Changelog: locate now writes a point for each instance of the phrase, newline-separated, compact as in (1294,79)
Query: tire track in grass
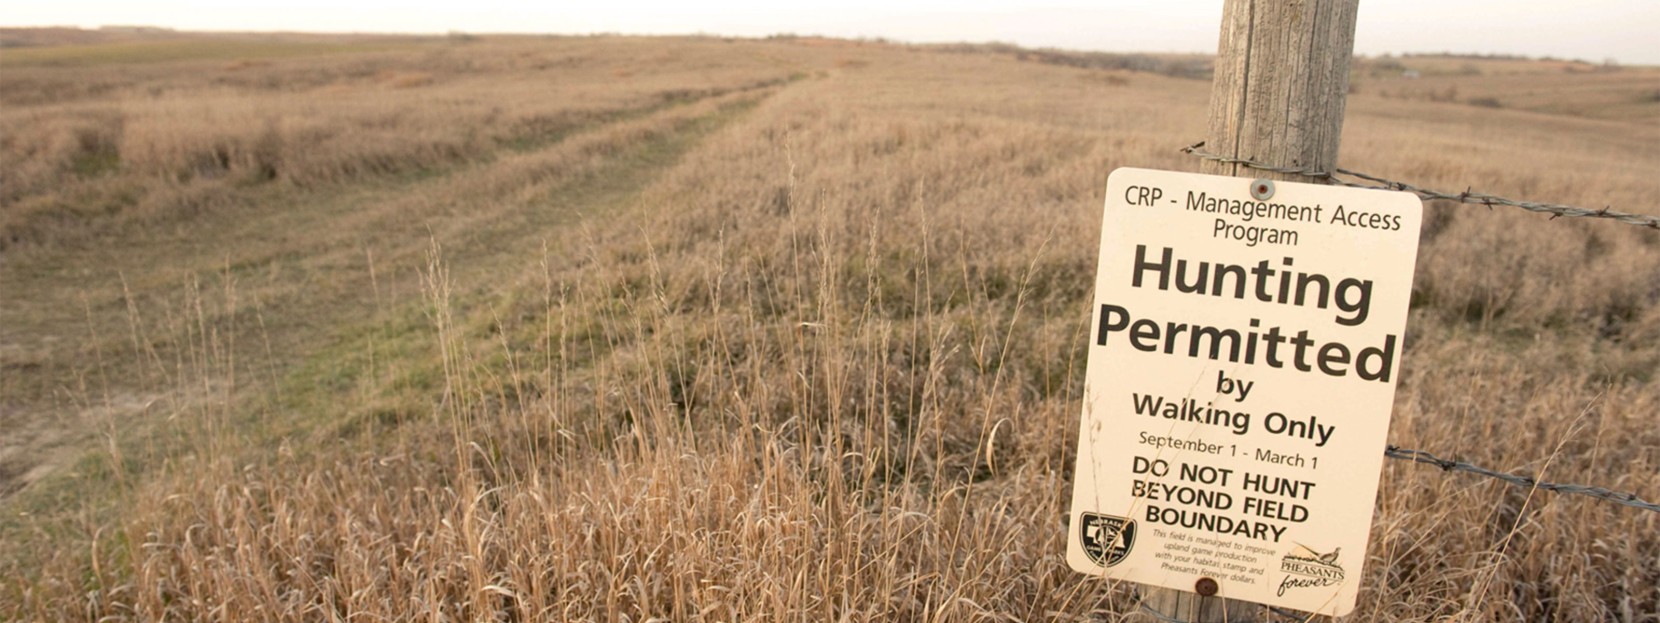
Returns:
(301,302)
(477,253)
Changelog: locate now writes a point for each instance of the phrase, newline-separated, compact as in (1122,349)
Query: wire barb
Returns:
(1471,197)
(1451,465)
(1467,196)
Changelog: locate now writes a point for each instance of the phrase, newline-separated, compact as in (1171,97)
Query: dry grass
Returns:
(694,330)
(1571,88)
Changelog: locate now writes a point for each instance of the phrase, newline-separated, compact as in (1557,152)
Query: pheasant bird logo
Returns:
(1306,553)
(1331,558)
(1306,567)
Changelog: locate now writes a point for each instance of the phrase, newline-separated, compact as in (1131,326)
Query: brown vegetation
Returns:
(701,330)
(1570,88)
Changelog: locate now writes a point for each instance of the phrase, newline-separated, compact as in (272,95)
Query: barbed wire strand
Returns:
(1420,456)
(1556,210)
(1617,497)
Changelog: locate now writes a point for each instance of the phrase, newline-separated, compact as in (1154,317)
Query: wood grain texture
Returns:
(1282,75)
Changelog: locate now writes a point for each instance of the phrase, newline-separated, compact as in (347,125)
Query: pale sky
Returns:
(1594,30)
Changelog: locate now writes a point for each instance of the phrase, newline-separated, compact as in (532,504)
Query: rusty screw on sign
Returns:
(1205,587)
(1263,190)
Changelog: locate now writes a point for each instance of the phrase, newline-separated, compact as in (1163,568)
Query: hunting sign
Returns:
(1245,344)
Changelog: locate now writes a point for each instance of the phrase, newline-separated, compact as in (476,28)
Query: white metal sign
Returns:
(1243,356)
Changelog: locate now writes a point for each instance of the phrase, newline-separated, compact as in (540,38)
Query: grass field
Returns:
(692,329)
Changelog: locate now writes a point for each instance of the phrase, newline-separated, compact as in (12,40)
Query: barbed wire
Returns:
(1421,456)
(1452,465)
(1617,497)
(1556,210)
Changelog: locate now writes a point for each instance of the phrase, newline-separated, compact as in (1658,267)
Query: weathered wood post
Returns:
(1282,73)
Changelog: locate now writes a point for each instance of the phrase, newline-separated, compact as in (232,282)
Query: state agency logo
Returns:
(1106,539)
(1304,567)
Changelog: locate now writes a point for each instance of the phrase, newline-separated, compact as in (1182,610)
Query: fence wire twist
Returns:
(1468,196)
(1555,210)
(1617,497)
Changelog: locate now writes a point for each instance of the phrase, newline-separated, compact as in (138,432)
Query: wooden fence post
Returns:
(1282,73)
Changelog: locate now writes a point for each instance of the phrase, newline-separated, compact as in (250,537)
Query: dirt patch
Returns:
(39,442)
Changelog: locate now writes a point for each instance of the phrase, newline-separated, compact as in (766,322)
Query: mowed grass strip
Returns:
(280,291)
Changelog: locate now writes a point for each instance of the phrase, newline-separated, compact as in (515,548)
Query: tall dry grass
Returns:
(825,365)
(154,144)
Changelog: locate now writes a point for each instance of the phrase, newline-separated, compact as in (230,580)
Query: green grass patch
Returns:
(371,376)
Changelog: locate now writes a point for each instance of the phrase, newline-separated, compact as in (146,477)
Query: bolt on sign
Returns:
(1244,350)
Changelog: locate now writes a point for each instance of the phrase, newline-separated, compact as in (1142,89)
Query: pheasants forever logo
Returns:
(1106,539)
(1305,568)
